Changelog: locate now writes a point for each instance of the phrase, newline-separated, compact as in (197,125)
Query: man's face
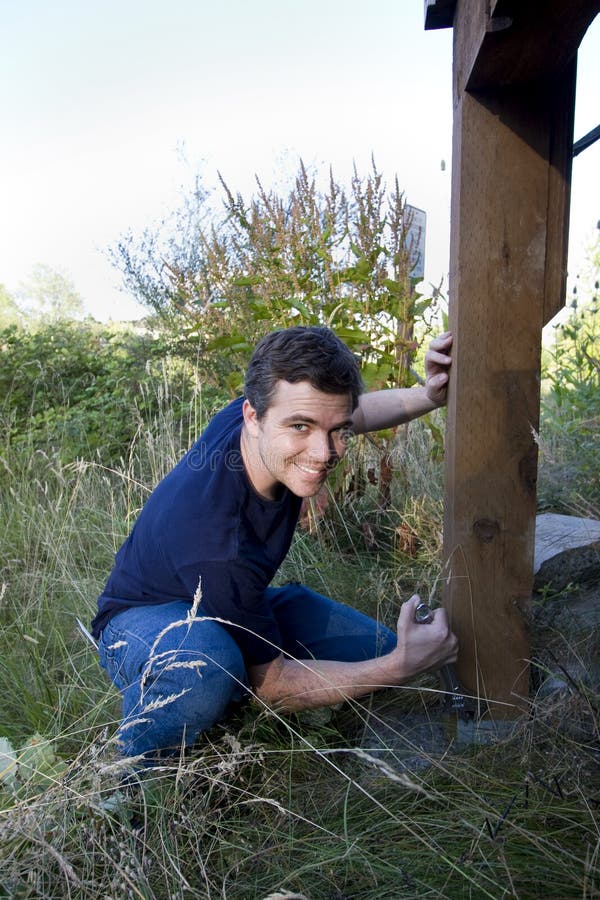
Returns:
(298,440)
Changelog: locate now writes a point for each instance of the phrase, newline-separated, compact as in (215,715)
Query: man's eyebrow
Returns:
(309,420)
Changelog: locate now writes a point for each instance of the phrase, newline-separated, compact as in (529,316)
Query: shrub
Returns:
(337,257)
(570,414)
(80,389)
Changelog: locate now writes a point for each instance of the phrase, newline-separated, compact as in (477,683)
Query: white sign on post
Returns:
(415,240)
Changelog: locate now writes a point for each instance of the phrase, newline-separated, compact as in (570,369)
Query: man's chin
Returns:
(310,491)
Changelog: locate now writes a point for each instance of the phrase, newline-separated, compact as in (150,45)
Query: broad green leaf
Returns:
(247,280)
(261,313)
(417,309)
(394,287)
(229,342)
(438,438)
(8,764)
(38,761)
(353,336)
(364,267)
(302,308)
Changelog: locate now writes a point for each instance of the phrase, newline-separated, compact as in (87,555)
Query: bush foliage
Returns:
(331,256)
(570,415)
(82,389)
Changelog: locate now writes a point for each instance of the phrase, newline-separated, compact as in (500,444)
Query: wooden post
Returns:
(513,134)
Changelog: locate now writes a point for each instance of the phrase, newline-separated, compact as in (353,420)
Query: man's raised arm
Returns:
(385,409)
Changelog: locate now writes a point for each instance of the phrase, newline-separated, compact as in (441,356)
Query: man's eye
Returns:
(300,427)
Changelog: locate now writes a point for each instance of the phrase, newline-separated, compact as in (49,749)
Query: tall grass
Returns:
(324,804)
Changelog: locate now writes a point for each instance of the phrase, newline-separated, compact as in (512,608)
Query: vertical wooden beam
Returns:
(509,206)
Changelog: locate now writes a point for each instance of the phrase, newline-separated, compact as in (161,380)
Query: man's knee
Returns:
(203,668)
(190,676)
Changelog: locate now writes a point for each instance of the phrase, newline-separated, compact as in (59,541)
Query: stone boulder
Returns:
(567,551)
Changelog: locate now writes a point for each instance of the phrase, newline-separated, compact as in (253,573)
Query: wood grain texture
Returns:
(497,279)
(511,173)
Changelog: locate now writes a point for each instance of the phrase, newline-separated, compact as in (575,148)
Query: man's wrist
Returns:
(435,404)
(392,668)
(428,404)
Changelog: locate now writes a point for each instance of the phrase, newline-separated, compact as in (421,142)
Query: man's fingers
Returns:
(441,359)
(424,647)
(439,380)
(407,610)
(407,613)
(441,344)
(441,617)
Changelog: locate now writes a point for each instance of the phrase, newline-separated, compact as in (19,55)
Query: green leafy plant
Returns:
(34,765)
(570,413)
(81,389)
(331,256)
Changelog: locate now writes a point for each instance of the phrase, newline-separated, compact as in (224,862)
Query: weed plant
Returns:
(326,805)
(570,425)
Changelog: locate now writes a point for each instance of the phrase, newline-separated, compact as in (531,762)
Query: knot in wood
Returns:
(486,530)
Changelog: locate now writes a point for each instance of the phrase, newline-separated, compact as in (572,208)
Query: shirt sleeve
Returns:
(234,593)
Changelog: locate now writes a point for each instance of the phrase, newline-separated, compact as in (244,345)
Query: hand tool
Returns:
(455,699)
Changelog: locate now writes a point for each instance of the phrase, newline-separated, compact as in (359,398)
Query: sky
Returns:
(109,108)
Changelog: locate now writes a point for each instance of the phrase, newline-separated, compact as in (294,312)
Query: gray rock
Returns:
(567,551)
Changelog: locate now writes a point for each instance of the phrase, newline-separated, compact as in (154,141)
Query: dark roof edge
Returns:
(439,14)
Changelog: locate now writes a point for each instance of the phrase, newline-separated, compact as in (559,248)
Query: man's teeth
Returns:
(308,470)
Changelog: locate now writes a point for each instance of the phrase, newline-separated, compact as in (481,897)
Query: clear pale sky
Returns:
(97,97)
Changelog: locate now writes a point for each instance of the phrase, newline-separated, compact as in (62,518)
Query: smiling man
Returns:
(220,525)
(298,440)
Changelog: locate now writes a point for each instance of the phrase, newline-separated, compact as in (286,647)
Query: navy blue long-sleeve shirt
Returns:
(204,524)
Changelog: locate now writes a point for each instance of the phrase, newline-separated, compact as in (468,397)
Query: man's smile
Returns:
(311,471)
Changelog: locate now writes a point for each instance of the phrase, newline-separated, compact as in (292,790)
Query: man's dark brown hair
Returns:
(303,353)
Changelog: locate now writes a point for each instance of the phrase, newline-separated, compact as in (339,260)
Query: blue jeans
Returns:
(178,677)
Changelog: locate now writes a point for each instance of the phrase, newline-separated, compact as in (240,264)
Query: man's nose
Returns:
(321,448)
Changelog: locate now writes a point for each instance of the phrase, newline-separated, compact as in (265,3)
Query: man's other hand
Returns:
(423,648)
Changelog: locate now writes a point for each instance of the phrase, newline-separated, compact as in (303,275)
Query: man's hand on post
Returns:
(437,364)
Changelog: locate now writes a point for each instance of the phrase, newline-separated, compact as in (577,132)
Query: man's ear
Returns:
(250,418)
